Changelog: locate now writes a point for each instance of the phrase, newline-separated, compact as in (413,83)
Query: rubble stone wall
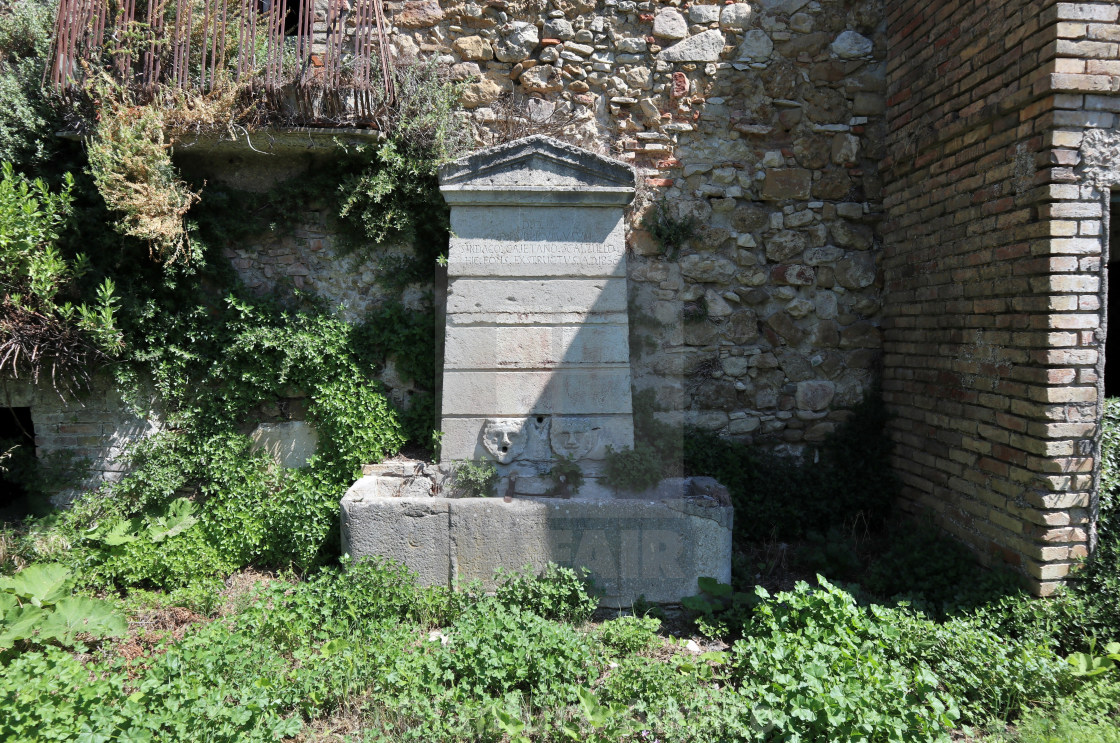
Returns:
(997,202)
(761,121)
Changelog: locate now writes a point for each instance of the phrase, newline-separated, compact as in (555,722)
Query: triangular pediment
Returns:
(536,162)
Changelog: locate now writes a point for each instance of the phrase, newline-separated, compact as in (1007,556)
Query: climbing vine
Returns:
(209,360)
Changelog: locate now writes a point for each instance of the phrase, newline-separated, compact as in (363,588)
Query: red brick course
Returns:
(992,268)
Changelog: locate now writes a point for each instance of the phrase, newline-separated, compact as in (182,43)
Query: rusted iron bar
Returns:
(389,86)
(148,44)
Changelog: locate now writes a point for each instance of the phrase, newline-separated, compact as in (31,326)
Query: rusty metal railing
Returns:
(326,59)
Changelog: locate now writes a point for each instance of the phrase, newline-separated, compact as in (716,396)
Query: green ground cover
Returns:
(204,596)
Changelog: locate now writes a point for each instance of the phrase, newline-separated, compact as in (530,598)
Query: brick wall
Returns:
(993,249)
(81,440)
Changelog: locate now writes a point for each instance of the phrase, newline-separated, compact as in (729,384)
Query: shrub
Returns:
(633,470)
(988,675)
(43,323)
(131,164)
(934,573)
(629,634)
(817,666)
(555,593)
(474,479)
(1098,582)
(567,477)
(648,681)
(27,120)
(495,649)
(670,232)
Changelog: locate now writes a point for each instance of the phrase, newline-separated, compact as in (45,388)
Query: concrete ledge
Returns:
(655,548)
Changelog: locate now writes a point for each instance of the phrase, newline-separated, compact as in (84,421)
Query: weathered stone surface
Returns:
(750,218)
(670,24)
(815,395)
(388,481)
(715,394)
(420,14)
(822,256)
(735,17)
(827,106)
(572,8)
(860,335)
(703,47)
(794,275)
(787,183)
(464,71)
(812,151)
(855,236)
(542,79)
(857,271)
(794,364)
(834,184)
(756,46)
(535,346)
(819,431)
(630,45)
(785,245)
(826,333)
(473,48)
(742,327)
(558,28)
(704,14)
(523,354)
(783,6)
(700,333)
(485,91)
(706,268)
(851,45)
(412,531)
(632,547)
(518,41)
(845,149)
(717,305)
(782,324)
(291,443)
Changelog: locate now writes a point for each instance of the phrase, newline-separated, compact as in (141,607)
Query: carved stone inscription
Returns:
(560,254)
(536,364)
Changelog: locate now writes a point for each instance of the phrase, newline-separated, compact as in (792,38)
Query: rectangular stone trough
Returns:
(631,547)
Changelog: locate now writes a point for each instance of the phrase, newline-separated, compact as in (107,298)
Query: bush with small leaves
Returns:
(629,634)
(554,593)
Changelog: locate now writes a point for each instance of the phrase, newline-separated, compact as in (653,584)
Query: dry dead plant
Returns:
(129,155)
(32,342)
(517,116)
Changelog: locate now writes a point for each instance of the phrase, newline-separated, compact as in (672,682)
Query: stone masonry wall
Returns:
(764,122)
(84,436)
(996,202)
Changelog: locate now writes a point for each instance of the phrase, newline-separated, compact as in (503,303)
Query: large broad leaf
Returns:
(19,624)
(122,532)
(1086,664)
(42,585)
(81,614)
(180,517)
(713,587)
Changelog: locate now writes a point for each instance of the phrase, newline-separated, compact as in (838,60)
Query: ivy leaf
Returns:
(42,584)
